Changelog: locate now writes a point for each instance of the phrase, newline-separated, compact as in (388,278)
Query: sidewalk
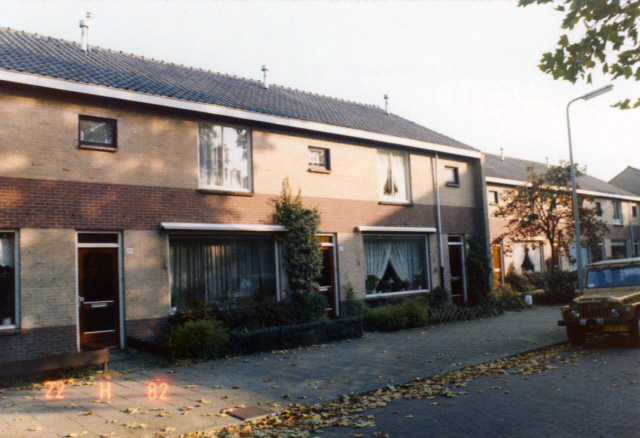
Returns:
(196,394)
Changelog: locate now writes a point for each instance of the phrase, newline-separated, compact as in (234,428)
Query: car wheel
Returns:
(634,330)
(576,335)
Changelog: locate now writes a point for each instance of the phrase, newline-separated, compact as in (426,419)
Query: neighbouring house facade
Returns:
(130,187)
(628,179)
(619,210)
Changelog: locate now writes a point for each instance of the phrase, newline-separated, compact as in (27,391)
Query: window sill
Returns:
(319,170)
(9,330)
(398,204)
(224,192)
(387,294)
(92,147)
(450,184)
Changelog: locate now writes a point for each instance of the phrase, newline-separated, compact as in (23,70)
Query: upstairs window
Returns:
(319,159)
(634,210)
(393,176)
(599,208)
(493,197)
(224,155)
(97,133)
(617,213)
(451,176)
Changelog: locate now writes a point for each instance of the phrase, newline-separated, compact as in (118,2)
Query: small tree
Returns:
(542,208)
(301,248)
(478,271)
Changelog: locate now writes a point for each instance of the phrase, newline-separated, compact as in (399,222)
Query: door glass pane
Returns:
(455,260)
(99,319)
(7,279)
(327,268)
(97,276)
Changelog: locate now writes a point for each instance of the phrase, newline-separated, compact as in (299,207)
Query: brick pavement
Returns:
(596,397)
(303,375)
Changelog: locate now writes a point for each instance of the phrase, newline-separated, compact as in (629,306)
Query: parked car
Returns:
(610,303)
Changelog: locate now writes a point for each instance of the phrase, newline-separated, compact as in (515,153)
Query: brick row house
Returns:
(130,187)
(619,210)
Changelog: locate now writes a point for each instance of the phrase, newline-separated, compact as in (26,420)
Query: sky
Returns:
(466,69)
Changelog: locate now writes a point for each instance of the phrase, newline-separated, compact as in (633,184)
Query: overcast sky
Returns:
(467,69)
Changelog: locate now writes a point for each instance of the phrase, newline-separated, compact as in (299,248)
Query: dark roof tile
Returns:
(46,56)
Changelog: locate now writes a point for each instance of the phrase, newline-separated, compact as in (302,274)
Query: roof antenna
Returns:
(386,103)
(265,84)
(84,25)
(502,154)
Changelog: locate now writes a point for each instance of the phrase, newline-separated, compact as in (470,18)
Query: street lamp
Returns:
(576,216)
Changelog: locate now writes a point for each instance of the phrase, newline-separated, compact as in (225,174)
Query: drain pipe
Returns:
(633,246)
(441,269)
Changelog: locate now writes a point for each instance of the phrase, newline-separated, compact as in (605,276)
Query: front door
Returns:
(98,297)
(456,269)
(327,277)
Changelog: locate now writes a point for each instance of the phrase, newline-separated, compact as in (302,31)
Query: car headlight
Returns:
(615,313)
(575,314)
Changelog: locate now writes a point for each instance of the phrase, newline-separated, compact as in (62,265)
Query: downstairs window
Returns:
(205,269)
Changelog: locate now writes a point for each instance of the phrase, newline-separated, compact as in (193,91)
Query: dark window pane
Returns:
(99,319)
(97,269)
(97,238)
(97,131)
(7,279)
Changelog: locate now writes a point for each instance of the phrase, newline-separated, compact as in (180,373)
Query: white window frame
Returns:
(16,255)
(249,189)
(427,263)
(407,178)
(617,212)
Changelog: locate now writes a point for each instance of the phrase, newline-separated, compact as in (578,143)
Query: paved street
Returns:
(192,396)
(596,396)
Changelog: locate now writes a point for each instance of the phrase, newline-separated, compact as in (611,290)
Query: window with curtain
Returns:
(224,155)
(617,213)
(212,268)
(395,264)
(7,279)
(393,176)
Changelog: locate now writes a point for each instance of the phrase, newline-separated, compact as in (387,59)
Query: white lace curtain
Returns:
(7,257)
(206,269)
(392,175)
(404,253)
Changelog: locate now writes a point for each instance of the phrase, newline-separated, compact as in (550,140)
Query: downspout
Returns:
(439,226)
(633,246)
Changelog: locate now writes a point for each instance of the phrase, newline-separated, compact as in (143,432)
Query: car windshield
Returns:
(614,277)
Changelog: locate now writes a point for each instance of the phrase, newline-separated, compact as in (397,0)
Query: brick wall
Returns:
(140,328)
(33,343)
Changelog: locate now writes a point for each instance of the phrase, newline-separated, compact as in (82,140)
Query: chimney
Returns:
(265,84)
(84,25)
(386,103)
(502,154)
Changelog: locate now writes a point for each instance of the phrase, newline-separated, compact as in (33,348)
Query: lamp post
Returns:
(576,216)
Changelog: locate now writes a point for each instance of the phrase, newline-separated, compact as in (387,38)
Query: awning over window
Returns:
(365,229)
(181,226)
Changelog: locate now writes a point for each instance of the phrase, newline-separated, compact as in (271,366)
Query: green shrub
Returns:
(417,312)
(438,298)
(400,315)
(352,306)
(478,271)
(560,288)
(388,318)
(510,299)
(203,339)
(537,279)
(517,281)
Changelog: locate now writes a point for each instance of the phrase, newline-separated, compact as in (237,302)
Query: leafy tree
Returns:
(542,208)
(301,248)
(478,271)
(610,41)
